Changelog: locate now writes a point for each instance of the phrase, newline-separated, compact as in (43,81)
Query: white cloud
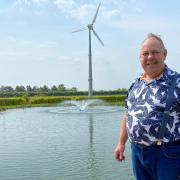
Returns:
(74,10)
(48,44)
(30,2)
(138,10)
(64,3)
(21,2)
(40,1)
(110,14)
(83,11)
(144,25)
(109,10)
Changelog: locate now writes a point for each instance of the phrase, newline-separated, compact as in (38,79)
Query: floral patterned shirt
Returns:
(145,105)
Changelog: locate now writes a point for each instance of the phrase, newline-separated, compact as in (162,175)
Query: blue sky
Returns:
(38,48)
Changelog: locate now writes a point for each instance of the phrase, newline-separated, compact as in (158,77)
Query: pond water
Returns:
(40,144)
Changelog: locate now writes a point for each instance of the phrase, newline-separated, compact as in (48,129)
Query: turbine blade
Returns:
(94,19)
(83,29)
(98,37)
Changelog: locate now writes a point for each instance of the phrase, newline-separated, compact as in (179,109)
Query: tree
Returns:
(35,89)
(6,89)
(54,88)
(45,88)
(20,89)
(74,89)
(29,88)
(61,87)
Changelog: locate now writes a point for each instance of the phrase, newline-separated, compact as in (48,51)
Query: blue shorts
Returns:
(156,162)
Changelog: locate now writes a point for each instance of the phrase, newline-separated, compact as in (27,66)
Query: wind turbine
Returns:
(90,28)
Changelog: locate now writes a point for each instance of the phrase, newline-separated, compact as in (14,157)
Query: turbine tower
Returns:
(90,28)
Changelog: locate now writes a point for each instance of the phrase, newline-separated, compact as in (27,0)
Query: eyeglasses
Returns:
(152,53)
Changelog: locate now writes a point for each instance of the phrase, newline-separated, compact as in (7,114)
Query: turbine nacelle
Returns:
(90,26)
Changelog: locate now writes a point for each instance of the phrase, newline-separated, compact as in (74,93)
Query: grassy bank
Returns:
(40,101)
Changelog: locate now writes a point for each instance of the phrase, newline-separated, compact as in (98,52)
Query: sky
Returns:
(37,46)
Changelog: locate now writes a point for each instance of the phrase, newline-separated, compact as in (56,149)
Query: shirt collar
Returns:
(143,76)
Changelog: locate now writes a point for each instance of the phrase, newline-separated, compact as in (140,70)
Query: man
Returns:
(145,108)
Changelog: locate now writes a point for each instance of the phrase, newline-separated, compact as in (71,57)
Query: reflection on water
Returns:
(91,131)
(38,145)
(91,159)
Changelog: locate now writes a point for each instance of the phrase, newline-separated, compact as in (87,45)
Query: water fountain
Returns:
(83,104)
(89,106)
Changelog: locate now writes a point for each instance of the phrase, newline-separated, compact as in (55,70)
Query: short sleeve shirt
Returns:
(145,105)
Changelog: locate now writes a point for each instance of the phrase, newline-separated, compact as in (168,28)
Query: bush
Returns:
(12,101)
(48,100)
(116,98)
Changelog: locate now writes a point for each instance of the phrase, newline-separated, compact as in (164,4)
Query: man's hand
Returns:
(119,152)
(123,135)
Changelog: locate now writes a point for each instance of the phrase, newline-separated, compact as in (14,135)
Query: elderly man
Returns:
(152,117)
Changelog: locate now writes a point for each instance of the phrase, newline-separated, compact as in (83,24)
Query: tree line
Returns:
(59,90)
(44,88)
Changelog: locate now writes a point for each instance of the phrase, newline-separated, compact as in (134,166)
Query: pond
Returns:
(41,144)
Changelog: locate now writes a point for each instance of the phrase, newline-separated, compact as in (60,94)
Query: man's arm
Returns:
(120,148)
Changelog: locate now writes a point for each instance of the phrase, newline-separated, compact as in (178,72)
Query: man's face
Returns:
(152,56)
